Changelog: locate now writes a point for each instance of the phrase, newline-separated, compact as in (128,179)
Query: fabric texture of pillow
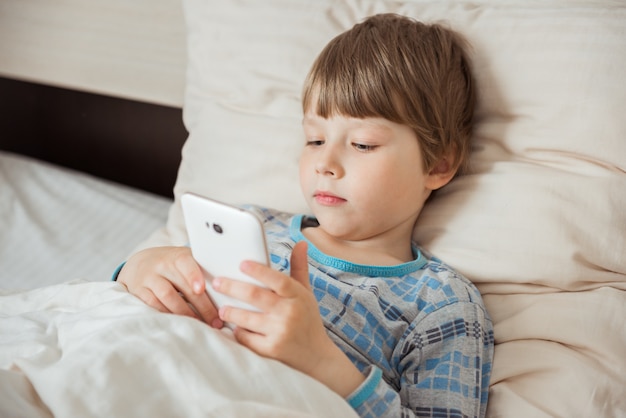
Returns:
(539,222)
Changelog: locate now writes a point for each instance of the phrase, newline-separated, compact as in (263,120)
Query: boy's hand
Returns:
(289,327)
(170,280)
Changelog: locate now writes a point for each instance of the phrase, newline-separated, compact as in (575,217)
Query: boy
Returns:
(350,300)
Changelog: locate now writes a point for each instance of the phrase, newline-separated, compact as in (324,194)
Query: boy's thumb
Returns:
(299,263)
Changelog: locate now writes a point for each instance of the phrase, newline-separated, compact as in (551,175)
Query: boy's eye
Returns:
(364,147)
(314,142)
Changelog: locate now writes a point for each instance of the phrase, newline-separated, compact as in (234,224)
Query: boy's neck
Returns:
(377,251)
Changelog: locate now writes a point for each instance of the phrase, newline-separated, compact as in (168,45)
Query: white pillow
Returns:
(539,223)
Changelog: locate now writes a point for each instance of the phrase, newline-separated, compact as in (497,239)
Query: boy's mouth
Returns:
(327,198)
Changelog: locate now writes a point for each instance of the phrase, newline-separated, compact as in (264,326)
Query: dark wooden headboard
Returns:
(129,142)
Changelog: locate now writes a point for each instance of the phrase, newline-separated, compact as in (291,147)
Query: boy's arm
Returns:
(445,365)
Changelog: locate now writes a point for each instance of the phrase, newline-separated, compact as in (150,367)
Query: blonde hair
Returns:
(405,71)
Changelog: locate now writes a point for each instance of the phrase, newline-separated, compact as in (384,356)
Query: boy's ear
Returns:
(441,174)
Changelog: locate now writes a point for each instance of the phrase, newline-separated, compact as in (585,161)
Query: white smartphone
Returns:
(221,236)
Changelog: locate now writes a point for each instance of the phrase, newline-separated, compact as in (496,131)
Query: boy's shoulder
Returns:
(440,277)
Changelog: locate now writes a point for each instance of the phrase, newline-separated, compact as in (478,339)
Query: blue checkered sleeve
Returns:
(445,362)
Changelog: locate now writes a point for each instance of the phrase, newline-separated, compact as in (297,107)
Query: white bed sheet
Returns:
(58,225)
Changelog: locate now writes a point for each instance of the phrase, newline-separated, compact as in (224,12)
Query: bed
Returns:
(112,110)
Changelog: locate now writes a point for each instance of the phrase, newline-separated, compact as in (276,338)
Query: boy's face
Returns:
(363,177)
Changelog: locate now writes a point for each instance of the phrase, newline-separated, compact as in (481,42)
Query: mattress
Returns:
(58,225)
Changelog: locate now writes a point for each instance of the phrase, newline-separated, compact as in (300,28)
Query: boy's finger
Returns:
(300,264)
(173,300)
(252,340)
(149,298)
(204,307)
(262,298)
(278,282)
(242,318)
(188,271)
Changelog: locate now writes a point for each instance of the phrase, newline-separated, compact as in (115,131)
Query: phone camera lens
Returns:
(218,228)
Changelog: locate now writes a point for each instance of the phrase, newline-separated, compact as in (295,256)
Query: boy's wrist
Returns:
(339,373)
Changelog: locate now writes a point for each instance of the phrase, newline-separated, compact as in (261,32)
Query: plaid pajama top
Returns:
(419,331)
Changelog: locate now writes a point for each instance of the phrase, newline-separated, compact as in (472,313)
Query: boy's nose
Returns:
(322,169)
(327,165)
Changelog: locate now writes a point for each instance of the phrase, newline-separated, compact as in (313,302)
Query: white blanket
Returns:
(91,349)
